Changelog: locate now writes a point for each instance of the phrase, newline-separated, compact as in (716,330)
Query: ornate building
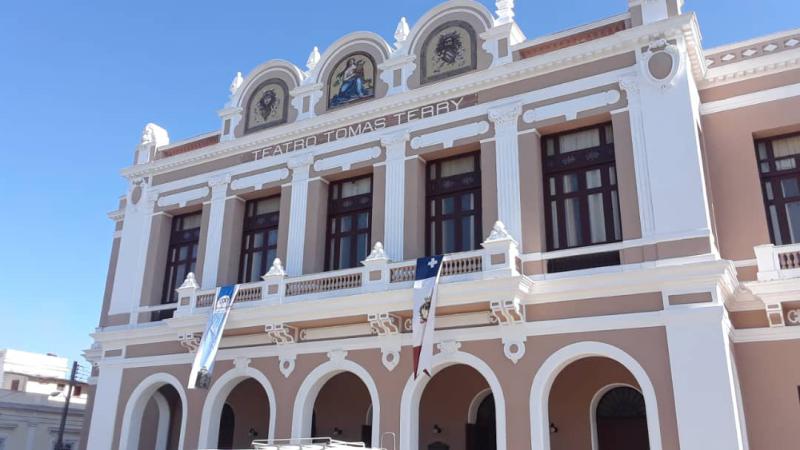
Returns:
(619,208)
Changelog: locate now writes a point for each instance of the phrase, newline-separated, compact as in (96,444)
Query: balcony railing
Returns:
(778,262)
(499,257)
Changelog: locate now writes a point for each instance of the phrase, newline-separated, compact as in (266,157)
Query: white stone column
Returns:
(300,168)
(509,207)
(631,87)
(127,289)
(394,200)
(219,191)
(704,384)
(104,411)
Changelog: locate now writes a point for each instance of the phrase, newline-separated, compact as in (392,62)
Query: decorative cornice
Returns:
(619,43)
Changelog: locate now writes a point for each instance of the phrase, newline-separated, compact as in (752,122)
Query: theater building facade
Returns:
(619,208)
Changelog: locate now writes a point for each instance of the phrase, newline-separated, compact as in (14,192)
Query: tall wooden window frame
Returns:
(780,188)
(349,225)
(577,165)
(181,256)
(259,239)
(463,192)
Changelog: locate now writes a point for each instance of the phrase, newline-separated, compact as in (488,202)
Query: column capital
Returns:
(629,85)
(506,115)
(400,137)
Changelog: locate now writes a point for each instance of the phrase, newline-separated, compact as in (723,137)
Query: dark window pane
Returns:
(467,233)
(448,205)
(793,218)
(344,252)
(789,187)
(345,224)
(363,221)
(468,202)
(362,245)
(448,236)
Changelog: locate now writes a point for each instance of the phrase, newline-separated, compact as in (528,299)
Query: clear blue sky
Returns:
(78,81)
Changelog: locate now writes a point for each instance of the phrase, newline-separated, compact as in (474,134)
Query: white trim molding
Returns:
(134,409)
(754,98)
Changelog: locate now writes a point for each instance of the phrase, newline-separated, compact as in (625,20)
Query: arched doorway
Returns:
(155,415)
(244,416)
(251,399)
(447,406)
(341,408)
(621,420)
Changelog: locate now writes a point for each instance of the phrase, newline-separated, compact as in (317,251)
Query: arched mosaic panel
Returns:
(267,105)
(352,80)
(451,49)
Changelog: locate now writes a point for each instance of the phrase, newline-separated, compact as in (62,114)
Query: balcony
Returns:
(498,257)
(778,262)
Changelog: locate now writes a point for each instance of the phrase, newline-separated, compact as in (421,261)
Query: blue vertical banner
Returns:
(203,366)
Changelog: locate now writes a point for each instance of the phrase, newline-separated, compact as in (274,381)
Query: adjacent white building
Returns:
(33,391)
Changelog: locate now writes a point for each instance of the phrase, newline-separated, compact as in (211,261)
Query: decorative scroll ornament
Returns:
(190,341)
(509,315)
(337,355)
(384,324)
(505,116)
(390,359)
(281,333)
(241,363)
(286,364)
(661,63)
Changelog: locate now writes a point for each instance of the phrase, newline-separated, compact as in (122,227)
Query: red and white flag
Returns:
(423,321)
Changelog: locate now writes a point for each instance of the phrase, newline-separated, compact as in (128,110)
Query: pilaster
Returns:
(509,208)
(394,201)
(703,379)
(104,411)
(300,168)
(219,190)
(129,276)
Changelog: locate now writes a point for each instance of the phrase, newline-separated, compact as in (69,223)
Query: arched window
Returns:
(267,106)
(448,51)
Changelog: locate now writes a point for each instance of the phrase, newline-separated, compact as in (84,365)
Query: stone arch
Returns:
(313,384)
(345,45)
(218,394)
(280,68)
(412,394)
(555,363)
(134,409)
(438,15)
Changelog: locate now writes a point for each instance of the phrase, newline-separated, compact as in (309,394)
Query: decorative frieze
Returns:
(384,324)
(182,198)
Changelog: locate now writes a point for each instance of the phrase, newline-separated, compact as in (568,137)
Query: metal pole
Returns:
(60,441)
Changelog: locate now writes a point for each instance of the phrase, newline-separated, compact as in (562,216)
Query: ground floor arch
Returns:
(239,407)
(441,411)
(155,415)
(570,386)
(334,400)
